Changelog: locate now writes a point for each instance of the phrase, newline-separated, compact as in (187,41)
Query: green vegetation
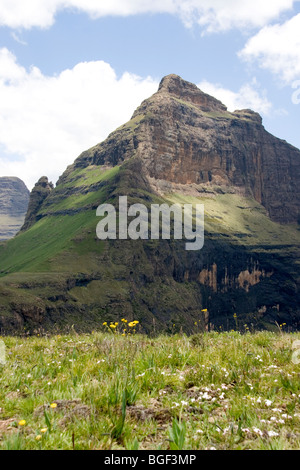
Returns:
(244,219)
(132,124)
(86,177)
(33,250)
(224,391)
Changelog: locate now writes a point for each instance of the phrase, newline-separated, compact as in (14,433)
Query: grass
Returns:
(226,391)
(46,239)
(245,220)
(86,177)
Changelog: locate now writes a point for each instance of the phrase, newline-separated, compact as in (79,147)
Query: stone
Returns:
(40,192)
(14,198)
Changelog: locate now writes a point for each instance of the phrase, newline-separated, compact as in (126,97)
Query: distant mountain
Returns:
(181,146)
(14,198)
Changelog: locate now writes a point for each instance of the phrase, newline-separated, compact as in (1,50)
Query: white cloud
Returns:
(277,49)
(249,96)
(220,15)
(212,15)
(46,122)
(18,39)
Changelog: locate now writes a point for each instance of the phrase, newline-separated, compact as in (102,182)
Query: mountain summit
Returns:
(175,86)
(180,146)
(183,136)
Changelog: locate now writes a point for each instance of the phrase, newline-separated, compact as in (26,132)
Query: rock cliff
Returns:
(14,197)
(40,192)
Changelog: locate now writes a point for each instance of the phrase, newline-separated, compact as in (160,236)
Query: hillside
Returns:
(181,146)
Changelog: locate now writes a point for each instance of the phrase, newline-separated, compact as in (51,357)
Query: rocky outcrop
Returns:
(188,141)
(14,198)
(40,192)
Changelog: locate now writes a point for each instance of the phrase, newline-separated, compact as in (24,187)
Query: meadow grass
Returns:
(223,391)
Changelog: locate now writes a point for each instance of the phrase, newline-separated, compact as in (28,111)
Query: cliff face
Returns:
(40,192)
(181,146)
(14,197)
(188,141)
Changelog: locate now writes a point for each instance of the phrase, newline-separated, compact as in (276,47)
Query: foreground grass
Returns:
(105,391)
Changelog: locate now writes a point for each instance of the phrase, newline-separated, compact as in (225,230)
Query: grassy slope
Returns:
(37,249)
(243,219)
(231,391)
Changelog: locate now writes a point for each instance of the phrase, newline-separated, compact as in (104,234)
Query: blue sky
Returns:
(70,76)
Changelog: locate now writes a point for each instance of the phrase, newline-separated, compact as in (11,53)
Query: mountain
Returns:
(181,146)
(14,197)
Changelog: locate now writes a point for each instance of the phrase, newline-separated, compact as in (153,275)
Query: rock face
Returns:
(40,192)
(188,141)
(14,198)
(181,146)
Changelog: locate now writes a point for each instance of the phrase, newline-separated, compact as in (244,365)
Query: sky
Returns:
(72,71)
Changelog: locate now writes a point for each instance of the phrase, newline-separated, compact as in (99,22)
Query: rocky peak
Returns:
(177,87)
(187,141)
(40,192)
(248,114)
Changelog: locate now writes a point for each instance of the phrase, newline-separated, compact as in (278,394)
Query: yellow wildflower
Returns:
(44,430)
(53,405)
(105,323)
(38,438)
(22,422)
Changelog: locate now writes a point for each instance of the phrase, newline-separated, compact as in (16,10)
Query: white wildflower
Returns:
(206,396)
(258,431)
(273,434)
